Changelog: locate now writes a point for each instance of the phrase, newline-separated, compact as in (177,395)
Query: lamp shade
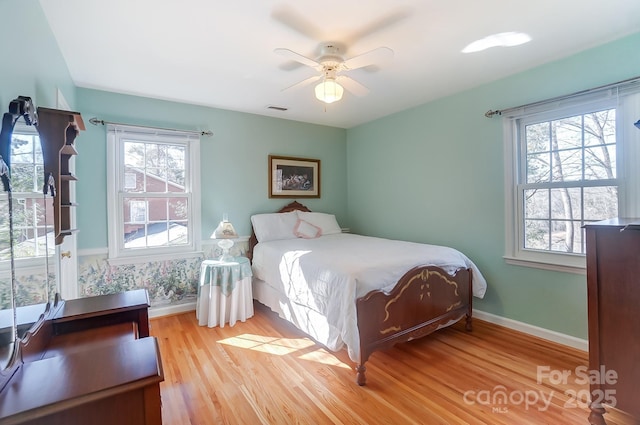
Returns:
(224,230)
(329,91)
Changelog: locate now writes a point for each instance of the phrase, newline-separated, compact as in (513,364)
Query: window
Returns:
(569,178)
(571,163)
(154,175)
(32,211)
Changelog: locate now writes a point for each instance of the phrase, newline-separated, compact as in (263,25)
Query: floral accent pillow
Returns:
(304,229)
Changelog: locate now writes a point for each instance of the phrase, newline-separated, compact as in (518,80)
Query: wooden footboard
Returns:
(422,301)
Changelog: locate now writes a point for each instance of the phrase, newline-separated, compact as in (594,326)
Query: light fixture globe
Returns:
(329,91)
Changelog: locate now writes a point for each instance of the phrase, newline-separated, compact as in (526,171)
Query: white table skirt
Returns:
(215,309)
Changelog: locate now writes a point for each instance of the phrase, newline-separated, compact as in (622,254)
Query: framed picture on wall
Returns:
(293,177)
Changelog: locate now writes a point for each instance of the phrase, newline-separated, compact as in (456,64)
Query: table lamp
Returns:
(225,232)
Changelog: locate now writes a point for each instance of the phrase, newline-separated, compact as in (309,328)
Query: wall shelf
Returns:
(58,130)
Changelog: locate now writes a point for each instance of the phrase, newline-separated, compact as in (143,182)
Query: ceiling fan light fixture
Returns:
(329,91)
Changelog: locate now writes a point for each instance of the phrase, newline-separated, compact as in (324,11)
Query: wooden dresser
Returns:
(613,290)
(90,361)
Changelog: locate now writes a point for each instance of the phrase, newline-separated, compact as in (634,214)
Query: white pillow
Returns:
(306,230)
(326,222)
(274,226)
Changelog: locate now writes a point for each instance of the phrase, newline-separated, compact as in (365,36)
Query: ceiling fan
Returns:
(332,66)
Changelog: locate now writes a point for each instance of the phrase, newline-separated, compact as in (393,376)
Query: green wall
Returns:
(435,174)
(234,164)
(32,64)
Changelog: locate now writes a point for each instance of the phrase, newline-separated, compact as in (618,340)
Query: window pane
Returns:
(567,165)
(600,162)
(536,203)
(178,233)
(176,180)
(137,211)
(22,148)
(537,136)
(176,168)
(44,205)
(133,180)
(536,234)
(150,222)
(23,177)
(134,154)
(566,203)
(145,235)
(130,180)
(155,180)
(156,155)
(566,236)
(538,168)
(134,218)
(29,231)
(600,203)
(600,127)
(158,209)
(133,166)
(567,133)
(178,209)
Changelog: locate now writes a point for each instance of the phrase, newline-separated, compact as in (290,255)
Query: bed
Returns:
(361,292)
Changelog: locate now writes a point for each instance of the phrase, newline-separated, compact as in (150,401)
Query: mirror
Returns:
(26,229)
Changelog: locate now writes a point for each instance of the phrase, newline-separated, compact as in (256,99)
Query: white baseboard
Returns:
(560,338)
(171,309)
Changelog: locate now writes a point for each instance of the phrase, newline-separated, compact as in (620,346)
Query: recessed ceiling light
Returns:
(503,39)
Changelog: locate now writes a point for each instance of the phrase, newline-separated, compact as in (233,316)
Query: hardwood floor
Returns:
(264,371)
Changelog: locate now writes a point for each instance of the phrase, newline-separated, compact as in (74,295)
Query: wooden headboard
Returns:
(253,241)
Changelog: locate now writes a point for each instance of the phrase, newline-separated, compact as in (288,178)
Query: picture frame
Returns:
(291,177)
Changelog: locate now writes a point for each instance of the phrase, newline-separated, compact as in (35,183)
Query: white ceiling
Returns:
(221,53)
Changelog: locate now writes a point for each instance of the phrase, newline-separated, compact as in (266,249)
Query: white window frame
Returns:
(626,100)
(116,181)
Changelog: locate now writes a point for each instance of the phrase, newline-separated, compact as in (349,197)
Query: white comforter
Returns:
(321,278)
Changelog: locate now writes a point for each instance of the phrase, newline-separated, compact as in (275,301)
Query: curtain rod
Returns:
(96,121)
(490,113)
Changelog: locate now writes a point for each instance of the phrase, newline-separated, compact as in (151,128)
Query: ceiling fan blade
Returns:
(352,85)
(303,83)
(298,57)
(388,20)
(290,65)
(294,20)
(372,57)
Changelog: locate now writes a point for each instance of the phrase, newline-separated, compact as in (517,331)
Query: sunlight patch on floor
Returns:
(277,346)
(283,347)
(324,357)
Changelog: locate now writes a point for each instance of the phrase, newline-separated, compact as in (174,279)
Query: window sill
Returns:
(578,268)
(140,259)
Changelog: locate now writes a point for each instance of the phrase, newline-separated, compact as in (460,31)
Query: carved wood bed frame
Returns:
(424,300)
